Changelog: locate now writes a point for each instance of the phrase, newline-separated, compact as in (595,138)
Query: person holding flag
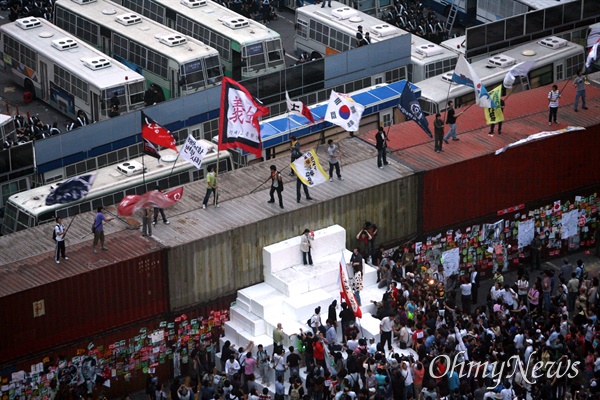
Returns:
(579,83)
(499,118)
(334,155)
(211,187)
(451,120)
(438,128)
(276,185)
(59,237)
(98,229)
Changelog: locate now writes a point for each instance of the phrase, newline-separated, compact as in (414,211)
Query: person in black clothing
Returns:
(331,313)
(499,123)
(451,120)
(276,185)
(381,146)
(438,132)
(366,40)
(114,101)
(359,36)
(347,317)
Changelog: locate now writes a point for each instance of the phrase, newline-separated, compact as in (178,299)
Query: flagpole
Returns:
(447,99)
(68,226)
(216,178)
(174,162)
(143,172)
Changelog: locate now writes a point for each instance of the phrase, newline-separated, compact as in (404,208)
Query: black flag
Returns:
(150,149)
(410,107)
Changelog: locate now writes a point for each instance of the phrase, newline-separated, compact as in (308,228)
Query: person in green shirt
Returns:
(211,187)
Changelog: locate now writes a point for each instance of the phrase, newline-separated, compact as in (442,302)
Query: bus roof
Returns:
(147,32)
(436,88)
(348,19)
(457,44)
(214,15)
(41,38)
(109,180)
(540,4)
(425,52)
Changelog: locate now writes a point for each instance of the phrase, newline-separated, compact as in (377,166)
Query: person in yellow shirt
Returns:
(211,187)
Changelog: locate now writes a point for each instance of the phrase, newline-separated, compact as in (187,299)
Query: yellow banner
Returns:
(494,115)
(309,170)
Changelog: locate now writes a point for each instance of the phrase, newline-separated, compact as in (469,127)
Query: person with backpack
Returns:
(59,237)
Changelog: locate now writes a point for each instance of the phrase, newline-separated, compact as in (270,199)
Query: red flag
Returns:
(238,125)
(156,134)
(154,198)
(346,292)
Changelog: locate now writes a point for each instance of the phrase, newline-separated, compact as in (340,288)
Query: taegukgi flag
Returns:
(521,69)
(343,111)
(495,115)
(410,107)
(465,75)
(308,169)
(72,189)
(194,151)
(346,292)
(238,122)
(298,108)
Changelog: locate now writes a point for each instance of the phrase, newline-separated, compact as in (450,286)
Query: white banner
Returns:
(538,136)
(450,261)
(569,224)
(526,233)
(343,111)
(193,151)
(309,170)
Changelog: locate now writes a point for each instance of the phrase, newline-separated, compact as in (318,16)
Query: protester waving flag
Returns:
(346,292)
(343,111)
(308,169)
(150,149)
(72,189)
(410,107)
(521,69)
(156,134)
(494,115)
(464,75)
(298,108)
(238,125)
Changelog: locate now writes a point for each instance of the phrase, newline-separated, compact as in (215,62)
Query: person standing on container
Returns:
(334,155)
(294,150)
(146,226)
(579,83)
(381,146)
(553,97)
(451,120)
(438,130)
(305,246)
(276,186)
(502,104)
(211,187)
(99,229)
(158,210)
(59,234)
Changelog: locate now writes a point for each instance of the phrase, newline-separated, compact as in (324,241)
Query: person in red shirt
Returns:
(319,351)
(440,369)
(418,335)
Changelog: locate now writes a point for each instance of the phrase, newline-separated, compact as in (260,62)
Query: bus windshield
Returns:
(254,55)
(274,52)
(192,76)
(213,70)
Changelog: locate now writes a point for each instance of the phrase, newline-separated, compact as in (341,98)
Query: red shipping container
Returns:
(44,305)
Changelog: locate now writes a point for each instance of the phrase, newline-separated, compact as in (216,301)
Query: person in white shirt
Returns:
(465,294)
(528,349)
(553,97)
(232,366)
(509,296)
(385,328)
(522,288)
(406,373)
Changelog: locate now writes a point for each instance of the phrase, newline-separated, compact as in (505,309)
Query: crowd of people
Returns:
(30,8)
(534,339)
(413,17)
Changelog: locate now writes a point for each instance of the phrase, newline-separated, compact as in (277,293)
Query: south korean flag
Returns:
(343,111)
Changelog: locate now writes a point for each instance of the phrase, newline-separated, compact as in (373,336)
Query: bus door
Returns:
(95,108)
(44,78)
(236,65)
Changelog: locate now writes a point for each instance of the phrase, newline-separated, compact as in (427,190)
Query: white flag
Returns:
(592,55)
(308,169)
(521,69)
(343,111)
(298,108)
(465,75)
(193,151)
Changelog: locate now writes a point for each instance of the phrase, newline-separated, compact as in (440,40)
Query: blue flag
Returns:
(410,107)
(72,189)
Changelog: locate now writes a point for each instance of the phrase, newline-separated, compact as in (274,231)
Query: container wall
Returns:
(84,304)
(223,263)
(482,186)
